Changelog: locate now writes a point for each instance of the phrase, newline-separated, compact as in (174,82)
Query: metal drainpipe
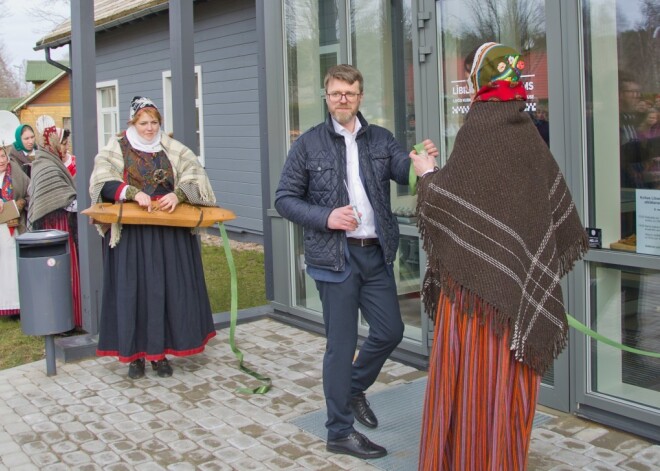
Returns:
(56,64)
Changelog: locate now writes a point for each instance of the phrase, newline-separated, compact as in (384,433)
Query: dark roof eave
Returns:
(66,37)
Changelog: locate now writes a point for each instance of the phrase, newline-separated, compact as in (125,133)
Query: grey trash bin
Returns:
(44,286)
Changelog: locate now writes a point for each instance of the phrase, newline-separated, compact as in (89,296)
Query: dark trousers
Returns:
(371,288)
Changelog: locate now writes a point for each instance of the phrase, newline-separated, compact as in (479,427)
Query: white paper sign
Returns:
(648,221)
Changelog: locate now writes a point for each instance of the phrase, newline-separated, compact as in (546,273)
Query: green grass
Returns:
(249,272)
(17,348)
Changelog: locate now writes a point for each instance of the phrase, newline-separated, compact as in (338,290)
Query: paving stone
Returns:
(590,434)
(650,456)
(94,447)
(574,445)
(14,459)
(41,460)
(607,456)
(280,463)
(600,466)
(635,465)
(76,458)
(215,465)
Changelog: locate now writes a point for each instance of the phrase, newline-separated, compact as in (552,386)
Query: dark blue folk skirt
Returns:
(154,295)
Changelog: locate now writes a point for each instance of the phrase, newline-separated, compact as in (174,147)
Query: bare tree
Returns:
(9,82)
(47,10)
(517,22)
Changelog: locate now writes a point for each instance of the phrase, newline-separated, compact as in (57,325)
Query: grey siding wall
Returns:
(226,47)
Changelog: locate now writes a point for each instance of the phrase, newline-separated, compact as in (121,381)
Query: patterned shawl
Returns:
(51,186)
(499,226)
(189,175)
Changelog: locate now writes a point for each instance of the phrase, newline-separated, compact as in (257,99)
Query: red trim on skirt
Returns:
(9,312)
(158,356)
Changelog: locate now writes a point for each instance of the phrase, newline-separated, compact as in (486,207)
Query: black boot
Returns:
(136,369)
(162,367)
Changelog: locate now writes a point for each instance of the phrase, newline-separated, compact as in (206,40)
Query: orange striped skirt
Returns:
(480,402)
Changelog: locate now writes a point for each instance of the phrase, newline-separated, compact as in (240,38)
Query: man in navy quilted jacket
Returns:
(336,185)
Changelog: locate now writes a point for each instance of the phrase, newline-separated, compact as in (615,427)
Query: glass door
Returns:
(622,85)
(463,25)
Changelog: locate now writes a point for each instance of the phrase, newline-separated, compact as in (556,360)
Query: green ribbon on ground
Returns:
(234,316)
(579,326)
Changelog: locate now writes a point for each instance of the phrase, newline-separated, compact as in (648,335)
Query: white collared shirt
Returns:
(356,192)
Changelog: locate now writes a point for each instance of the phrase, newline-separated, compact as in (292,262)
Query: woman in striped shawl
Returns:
(500,229)
(154,294)
(53,203)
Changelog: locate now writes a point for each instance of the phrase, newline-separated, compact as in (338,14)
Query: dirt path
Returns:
(214,240)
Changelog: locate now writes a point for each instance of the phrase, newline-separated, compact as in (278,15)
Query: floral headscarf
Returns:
(495,74)
(52,141)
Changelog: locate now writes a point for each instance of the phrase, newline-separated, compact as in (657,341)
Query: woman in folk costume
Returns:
(13,186)
(53,203)
(69,159)
(154,294)
(500,229)
(24,148)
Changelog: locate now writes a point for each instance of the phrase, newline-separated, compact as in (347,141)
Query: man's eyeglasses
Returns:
(336,96)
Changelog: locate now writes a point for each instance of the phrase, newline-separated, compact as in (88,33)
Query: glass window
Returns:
(625,304)
(108,112)
(199,118)
(312,46)
(467,24)
(622,84)
(622,58)
(381,47)
(381,39)
(380,36)
(312,41)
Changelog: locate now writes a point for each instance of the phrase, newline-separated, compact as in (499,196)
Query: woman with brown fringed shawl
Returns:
(500,229)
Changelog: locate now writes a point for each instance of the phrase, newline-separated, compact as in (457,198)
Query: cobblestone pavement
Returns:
(90,416)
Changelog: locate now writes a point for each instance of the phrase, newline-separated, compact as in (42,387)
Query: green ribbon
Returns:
(579,326)
(232,324)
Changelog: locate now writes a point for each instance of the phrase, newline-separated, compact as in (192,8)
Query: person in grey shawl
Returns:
(53,203)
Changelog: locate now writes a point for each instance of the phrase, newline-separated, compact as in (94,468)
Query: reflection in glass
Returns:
(381,40)
(626,307)
(407,273)
(622,127)
(380,37)
(312,46)
(464,26)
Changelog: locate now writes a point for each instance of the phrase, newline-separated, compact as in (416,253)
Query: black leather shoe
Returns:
(136,369)
(162,368)
(363,412)
(356,445)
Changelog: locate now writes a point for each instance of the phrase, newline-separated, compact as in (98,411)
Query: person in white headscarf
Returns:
(154,294)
